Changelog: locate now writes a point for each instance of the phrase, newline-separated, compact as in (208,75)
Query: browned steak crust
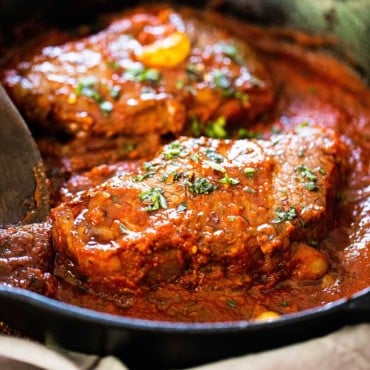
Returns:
(114,83)
(242,208)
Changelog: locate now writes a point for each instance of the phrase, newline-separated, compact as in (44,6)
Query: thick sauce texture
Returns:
(226,184)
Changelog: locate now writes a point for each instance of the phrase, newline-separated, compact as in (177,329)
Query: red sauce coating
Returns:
(311,89)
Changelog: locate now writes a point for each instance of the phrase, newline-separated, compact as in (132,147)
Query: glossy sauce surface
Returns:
(312,90)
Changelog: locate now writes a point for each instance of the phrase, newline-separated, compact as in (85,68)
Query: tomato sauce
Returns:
(311,88)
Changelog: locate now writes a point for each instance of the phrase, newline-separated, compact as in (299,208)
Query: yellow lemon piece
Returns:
(167,52)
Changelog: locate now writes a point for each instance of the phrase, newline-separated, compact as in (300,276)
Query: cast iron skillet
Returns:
(152,344)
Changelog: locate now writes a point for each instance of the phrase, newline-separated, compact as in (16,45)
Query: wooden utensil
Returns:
(24,191)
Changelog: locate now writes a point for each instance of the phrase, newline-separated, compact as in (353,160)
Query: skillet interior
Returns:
(176,344)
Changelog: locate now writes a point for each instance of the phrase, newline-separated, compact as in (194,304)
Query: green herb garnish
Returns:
(249,171)
(322,171)
(106,107)
(307,174)
(180,84)
(231,303)
(201,186)
(220,79)
(242,96)
(246,134)
(154,199)
(142,74)
(196,127)
(195,71)
(174,150)
(230,50)
(228,180)
(214,166)
(113,64)
(129,147)
(182,207)
(87,87)
(285,215)
(249,190)
(124,229)
(170,178)
(214,156)
(139,178)
(149,166)
(216,129)
(114,92)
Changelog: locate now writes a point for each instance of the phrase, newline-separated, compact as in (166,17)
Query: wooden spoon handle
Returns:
(24,191)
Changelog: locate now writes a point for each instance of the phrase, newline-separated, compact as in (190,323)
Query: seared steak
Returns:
(246,209)
(148,72)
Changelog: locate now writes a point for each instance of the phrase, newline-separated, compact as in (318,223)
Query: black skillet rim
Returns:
(68,311)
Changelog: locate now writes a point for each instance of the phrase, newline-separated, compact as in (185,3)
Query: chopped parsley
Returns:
(128,147)
(303,125)
(115,92)
(106,107)
(180,84)
(87,87)
(174,150)
(195,71)
(151,170)
(228,180)
(242,96)
(231,303)
(322,171)
(139,178)
(246,134)
(154,199)
(201,186)
(142,74)
(311,186)
(283,216)
(214,166)
(216,129)
(313,243)
(149,166)
(124,229)
(196,127)
(230,50)
(306,174)
(214,156)
(220,79)
(182,207)
(249,190)
(113,64)
(172,177)
(249,171)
